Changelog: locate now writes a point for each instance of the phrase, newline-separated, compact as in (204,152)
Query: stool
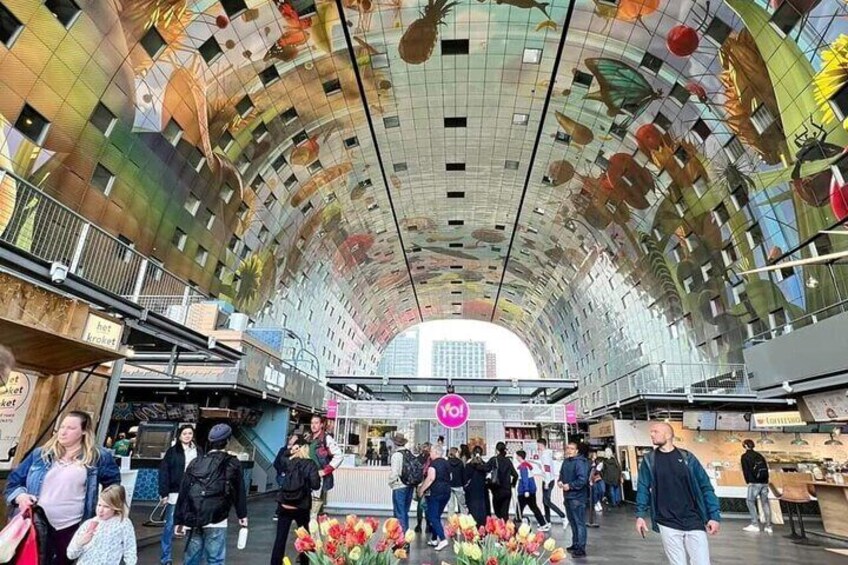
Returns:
(794,496)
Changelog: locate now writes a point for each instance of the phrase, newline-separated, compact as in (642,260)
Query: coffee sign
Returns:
(452,411)
(778,419)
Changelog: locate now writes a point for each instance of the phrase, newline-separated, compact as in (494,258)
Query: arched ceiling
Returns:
(421,160)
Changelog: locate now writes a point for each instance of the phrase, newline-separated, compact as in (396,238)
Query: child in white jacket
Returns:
(109,536)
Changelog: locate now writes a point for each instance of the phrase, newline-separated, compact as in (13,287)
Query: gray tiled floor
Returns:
(615,542)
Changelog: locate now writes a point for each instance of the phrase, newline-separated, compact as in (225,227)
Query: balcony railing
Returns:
(47,229)
(673,378)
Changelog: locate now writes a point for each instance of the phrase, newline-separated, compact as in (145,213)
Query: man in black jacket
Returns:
(212,485)
(756,472)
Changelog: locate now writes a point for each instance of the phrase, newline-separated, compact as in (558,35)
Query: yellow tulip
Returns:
(355,553)
(550,544)
(369,531)
(286,561)
(301,533)
(400,553)
(523,531)
(409,537)
(466,522)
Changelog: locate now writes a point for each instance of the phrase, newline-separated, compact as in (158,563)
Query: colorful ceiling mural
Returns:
(529,163)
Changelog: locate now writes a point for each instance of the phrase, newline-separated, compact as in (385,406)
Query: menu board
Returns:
(826,406)
(732,421)
(705,421)
(14,403)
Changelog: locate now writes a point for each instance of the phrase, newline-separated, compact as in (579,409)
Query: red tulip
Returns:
(838,198)
(682,40)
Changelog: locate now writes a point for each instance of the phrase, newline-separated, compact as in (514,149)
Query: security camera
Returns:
(786,386)
(58,272)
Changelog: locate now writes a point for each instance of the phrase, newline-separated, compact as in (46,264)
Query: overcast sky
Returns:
(514,359)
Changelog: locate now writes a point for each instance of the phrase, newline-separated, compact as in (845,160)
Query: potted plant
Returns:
(330,542)
(500,543)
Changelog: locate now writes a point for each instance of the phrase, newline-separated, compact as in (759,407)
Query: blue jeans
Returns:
(167,535)
(614,494)
(401,503)
(210,543)
(575,508)
(435,507)
(598,491)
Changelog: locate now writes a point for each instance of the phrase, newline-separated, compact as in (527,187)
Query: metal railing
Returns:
(790,325)
(42,226)
(678,378)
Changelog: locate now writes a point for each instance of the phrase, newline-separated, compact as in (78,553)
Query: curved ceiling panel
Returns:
(595,175)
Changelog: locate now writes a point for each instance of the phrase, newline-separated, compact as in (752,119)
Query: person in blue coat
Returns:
(574,482)
(527,490)
(63,476)
(676,492)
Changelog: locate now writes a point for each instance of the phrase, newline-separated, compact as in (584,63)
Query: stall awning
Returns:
(48,353)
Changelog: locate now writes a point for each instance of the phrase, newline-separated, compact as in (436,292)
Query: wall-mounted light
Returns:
(799,440)
(786,386)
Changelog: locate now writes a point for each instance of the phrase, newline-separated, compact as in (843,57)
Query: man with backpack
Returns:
(756,472)
(294,499)
(611,475)
(407,472)
(676,492)
(327,454)
(211,485)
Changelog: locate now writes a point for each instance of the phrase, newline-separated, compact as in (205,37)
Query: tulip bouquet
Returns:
(330,542)
(500,543)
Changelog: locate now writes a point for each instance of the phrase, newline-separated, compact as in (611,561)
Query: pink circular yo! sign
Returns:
(452,411)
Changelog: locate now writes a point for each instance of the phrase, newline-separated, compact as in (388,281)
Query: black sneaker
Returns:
(570,548)
(418,529)
(578,553)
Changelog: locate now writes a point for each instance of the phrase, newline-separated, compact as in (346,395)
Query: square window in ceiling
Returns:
(718,31)
(351,142)
(720,214)
(839,103)
(400,167)
(290,182)
(10,26)
(233,8)
(701,129)
(260,132)
(618,131)
(289,115)
(102,179)
(314,167)
(244,106)
(333,86)
(279,162)
(66,11)
(304,7)
(662,122)
(454,166)
(152,42)
(454,47)
(32,124)
(456,194)
(379,61)
(455,245)
(679,94)
(547,180)
(511,165)
(102,118)
(520,119)
(305,210)
(456,222)
(681,155)
(365,183)
(210,50)
(456,122)
(762,119)
(785,18)
(391,122)
(562,137)
(582,79)
(602,161)
(651,63)
(300,137)
(227,193)
(226,140)
(179,239)
(500,227)
(257,183)
(734,149)
(172,132)
(532,56)
(270,75)
(539,211)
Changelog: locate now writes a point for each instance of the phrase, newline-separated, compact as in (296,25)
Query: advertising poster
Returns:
(15,397)
(827,406)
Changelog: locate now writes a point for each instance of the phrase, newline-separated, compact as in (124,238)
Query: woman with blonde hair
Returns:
(300,478)
(62,477)
(109,536)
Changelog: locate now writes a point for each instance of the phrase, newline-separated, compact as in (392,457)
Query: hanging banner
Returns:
(778,419)
(571,413)
(14,403)
(826,406)
(332,409)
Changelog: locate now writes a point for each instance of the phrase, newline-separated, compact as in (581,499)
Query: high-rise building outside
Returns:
(491,365)
(400,359)
(462,359)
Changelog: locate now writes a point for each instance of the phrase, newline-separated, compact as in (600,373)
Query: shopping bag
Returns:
(13,534)
(28,551)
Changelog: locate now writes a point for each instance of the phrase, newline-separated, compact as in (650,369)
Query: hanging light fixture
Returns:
(834,435)
(765,439)
(700,438)
(732,438)
(799,440)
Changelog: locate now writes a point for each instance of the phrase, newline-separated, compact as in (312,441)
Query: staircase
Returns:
(264,474)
